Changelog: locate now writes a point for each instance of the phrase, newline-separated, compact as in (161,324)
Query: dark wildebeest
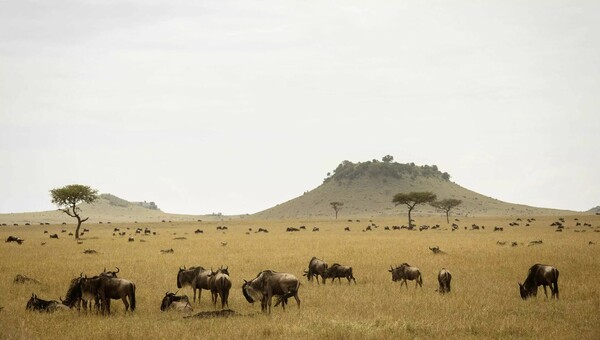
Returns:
(15,239)
(406,272)
(220,284)
(40,305)
(338,271)
(195,277)
(316,268)
(268,284)
(540,275)
(180,303)
(444,278)
(436,250)
(106,288)
(54,236)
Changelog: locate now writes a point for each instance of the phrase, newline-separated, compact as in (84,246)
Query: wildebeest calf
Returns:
(338,271)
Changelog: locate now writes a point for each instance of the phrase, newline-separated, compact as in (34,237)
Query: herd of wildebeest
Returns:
(98,291)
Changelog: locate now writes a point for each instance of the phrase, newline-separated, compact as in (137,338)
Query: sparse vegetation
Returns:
(412,199)
(68,197)
(446,205)
(337,206)
(348,171)
(483,303)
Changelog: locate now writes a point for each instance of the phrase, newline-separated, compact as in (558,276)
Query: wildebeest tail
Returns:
(132,296)
(420,279)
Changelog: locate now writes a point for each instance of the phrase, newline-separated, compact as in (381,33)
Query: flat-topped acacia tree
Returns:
(337,206)
(412,199)
(68,197)
(446,205)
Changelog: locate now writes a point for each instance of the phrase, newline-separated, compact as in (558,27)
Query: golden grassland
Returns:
(484,302)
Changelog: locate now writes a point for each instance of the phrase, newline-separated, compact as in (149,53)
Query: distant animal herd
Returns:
(96,292)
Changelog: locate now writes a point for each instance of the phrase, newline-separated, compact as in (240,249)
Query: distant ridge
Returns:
(367,188)
(108,208)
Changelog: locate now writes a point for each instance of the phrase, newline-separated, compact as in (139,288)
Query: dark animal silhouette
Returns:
(37,304)
(540,275)
(15,239)
(269,283)
(444,279)
(406,272)
(220,284)
(195,277)
(338,271)
(172,301)
(316,268)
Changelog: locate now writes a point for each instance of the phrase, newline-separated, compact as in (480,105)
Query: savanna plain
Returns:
(484,301)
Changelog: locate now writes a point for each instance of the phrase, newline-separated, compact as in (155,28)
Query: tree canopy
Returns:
(68,197)
(446,205)
(412,199)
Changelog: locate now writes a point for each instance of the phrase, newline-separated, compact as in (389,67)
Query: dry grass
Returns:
(484,302)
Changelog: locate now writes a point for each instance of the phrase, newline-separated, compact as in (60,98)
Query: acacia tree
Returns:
(68,197)
(446,205)
(412,199)
(337,206)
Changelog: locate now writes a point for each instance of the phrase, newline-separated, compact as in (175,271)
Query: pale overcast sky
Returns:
(235,106)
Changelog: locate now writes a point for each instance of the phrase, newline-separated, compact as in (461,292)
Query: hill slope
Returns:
(366,189)
(108,208)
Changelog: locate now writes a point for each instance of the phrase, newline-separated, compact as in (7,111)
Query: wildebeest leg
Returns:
(297,299)
(200,292)
(555,290)
(124,298)
(545,292)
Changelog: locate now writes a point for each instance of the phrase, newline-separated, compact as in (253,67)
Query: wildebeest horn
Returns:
(176,292)
(118,270)
(227,267)
(245,281)
(104,271)
(81,274)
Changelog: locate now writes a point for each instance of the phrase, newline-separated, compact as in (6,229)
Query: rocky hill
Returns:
(366,189)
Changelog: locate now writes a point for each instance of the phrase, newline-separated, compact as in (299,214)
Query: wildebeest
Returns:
(54,236)
(37,304)
(167,251)
(269,283)
(198,231)
(406,272)
(444,278)
(107,288)
(195,277)
(338,271)
(436,250)
(220,284)
(15,239)
(540,275)
(291,229)
(171,301)
(316,268)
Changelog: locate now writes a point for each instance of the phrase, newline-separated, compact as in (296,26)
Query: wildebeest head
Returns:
(524,292)
(172,297)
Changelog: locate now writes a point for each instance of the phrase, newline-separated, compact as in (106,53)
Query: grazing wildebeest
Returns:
(167,251)
(40,305)
(180,303)
(316,268)
(220,284)
(540,275)
(106,288)
(199,231)
(269,283)
(406,272)
(195,277)
(15,239)
(338,271)
(347,229)
(54,236)
(444,278)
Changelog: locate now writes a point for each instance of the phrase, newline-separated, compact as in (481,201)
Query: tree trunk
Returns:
(336,212)
(409,219)
(448,216)
(78,226)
